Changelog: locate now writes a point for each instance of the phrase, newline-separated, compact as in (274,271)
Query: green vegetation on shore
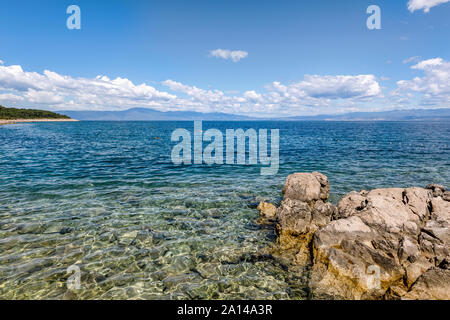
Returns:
(14,114)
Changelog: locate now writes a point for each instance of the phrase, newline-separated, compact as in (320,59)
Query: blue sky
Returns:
(297,57)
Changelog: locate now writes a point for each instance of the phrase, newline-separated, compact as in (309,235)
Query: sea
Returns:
(98,210)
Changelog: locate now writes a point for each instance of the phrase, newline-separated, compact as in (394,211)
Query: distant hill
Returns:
(396,115)
(145,114)
(24,114)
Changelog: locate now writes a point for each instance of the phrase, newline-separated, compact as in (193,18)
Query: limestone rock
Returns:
(293,220)
(350,204)
(302,212)
(415,270)
(446,196)
(378,229)
(324,185)
(383,243)
(322,213)
(267,211)
(297,220)
(434,284)
(435,235)
(306,187)
(438,189)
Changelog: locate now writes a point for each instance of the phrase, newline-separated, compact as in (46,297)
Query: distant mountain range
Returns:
(395,115)
(144,114)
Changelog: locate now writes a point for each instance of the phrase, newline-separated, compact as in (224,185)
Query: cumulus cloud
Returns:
(434,85)
(424,5)
(252,95)
(194,92)
(101,92)
(8,97)
(43,97)
(2,62)
(312,94)
(235,56)
(337,87)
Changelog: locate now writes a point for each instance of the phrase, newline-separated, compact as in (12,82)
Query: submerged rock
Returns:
(65,230)
(385,243)
(127,238)
(267,212)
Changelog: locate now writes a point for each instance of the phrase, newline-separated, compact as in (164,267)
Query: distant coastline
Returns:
(146,114)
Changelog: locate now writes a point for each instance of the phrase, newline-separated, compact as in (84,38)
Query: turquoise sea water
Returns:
(106,197)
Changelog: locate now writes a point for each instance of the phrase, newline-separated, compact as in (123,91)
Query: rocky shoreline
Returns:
(381,244)
(2,121)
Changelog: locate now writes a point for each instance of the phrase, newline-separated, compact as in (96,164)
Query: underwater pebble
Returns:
(127,238)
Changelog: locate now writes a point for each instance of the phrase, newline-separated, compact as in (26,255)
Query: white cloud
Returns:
(312,94)
(235,56)
(430,64)
(426,5)
(411,60)
(434,85)
(252,95)
(8,97)
(2,62)
(14,77)
(199,94)
(99,93)
(43,97)
(338,87)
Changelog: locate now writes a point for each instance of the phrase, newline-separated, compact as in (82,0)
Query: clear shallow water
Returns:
(106,197)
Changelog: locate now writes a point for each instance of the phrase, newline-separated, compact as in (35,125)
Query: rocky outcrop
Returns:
(380,244)
(302,212)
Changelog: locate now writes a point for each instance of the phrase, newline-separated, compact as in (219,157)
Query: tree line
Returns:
(13,114)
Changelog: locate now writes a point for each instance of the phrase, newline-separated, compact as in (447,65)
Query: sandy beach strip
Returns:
(4,121)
